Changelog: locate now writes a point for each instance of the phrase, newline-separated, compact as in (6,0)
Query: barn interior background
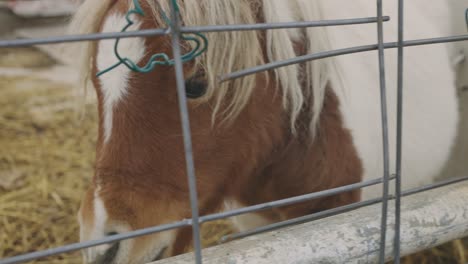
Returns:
(47,144)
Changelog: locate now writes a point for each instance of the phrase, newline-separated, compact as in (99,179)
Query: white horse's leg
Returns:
(459,27)
(457,166)
(246,221)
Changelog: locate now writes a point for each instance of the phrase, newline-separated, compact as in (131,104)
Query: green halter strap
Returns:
(200,40)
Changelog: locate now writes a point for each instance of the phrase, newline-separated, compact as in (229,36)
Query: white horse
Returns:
(430,102)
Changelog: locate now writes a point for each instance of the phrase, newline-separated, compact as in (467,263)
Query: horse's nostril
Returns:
(160,254)
(110,254)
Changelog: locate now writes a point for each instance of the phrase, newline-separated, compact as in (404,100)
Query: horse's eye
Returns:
(195,88)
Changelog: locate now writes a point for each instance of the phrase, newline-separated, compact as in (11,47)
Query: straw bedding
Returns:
(46,161)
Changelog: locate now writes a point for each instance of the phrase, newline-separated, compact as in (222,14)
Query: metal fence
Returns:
(175,30)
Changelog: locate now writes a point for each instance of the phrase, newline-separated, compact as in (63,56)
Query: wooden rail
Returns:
(428,219)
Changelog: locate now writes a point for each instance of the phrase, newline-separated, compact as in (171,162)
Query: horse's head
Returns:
(140,178)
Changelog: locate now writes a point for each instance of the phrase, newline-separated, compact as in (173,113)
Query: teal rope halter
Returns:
(200,40)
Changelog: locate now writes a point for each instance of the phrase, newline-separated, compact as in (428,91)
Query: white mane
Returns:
(233,51)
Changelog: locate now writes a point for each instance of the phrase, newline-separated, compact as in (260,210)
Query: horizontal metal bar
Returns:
(301,220)
(268,26)
(83,37)
(193,29)
(335,211)
(289,201)
(334,53)
(434,186)
(429,41)
(92,243)
(297,60)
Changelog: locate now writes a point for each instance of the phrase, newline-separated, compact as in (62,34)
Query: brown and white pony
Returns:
(291,131)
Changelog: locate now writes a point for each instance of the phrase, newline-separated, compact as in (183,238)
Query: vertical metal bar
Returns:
(383,103)
(184,117)
(396,241)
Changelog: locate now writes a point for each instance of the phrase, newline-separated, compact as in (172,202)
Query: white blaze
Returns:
(97,231)
(114,84)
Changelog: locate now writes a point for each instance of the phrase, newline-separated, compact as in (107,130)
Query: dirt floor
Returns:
(47,153)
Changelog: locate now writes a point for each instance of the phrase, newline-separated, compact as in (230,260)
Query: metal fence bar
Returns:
(428,41)
(300,220)
(192,29)
(83,37)
(238,74)
(386,152)
(434,186)
(399,132)
(185,123)
(290,201)
(335,211)
(282,25)
(338,52)
(92,243)
(158,32)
